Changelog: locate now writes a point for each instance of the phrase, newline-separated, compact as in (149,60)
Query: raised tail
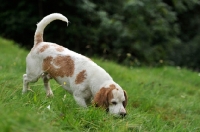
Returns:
(43,23)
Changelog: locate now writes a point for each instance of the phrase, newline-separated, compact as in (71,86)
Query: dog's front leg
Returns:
(25,84)
(80,100)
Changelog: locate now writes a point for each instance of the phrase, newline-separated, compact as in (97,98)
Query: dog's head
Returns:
(113,99)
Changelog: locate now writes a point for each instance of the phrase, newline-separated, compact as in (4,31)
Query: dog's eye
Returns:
(114,103)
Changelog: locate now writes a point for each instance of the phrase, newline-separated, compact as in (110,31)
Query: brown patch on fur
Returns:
(113,86)
(126,99)
(38,38)
(43,48)
(59,48)
(58,66)
(80,77)
(103,97)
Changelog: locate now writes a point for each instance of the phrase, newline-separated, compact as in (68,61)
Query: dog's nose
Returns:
(123,114)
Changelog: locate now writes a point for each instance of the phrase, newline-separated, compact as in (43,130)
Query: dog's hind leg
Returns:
(26,81)
(46,78)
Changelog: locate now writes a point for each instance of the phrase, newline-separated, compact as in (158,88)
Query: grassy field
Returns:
(160,99)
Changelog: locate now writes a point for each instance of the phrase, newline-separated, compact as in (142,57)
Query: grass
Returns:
(160,99)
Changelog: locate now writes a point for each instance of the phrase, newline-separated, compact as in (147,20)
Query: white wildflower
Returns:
(48,107)
(64,97)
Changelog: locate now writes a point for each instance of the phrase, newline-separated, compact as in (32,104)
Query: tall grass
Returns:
(160,99)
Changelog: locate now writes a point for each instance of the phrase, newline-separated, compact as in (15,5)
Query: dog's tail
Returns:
(43,23)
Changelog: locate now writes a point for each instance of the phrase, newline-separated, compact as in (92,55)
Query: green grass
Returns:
(160,99)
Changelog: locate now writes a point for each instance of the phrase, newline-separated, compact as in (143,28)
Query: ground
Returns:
(160,99)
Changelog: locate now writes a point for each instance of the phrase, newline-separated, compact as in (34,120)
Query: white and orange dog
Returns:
(79,75)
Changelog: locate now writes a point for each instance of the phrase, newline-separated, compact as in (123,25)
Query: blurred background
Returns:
(130,32)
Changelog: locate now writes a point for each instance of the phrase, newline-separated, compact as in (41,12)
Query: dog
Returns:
(79,75)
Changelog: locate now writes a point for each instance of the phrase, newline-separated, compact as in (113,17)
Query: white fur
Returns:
(119,98)
(96,77)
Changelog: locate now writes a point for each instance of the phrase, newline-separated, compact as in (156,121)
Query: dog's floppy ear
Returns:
(101,99)
(126,99)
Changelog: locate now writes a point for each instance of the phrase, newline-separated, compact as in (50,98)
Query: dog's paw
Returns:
(26,90)
(49,94)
